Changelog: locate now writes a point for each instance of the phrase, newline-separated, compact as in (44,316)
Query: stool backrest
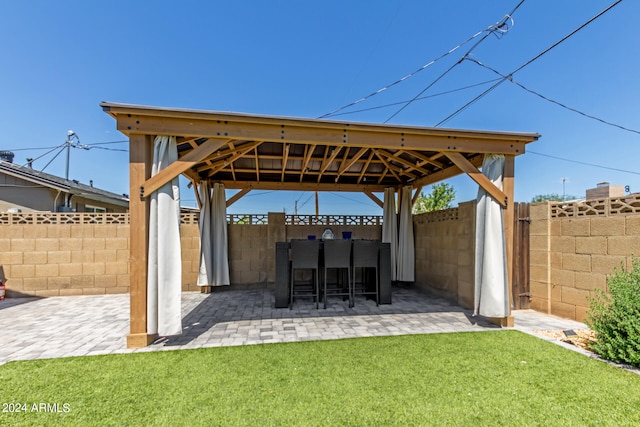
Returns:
(365,253)
(305,253)
(337,253)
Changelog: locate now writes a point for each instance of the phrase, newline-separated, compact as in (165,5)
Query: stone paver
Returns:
(90,325)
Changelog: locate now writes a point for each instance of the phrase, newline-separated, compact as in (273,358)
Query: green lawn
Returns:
(484,378)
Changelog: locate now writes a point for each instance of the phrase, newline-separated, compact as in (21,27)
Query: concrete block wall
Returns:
(52,260)
(444,243)
(571,257)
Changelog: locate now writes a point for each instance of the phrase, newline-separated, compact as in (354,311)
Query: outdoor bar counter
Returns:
(283,271)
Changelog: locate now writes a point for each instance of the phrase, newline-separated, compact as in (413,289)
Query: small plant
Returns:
(615,317)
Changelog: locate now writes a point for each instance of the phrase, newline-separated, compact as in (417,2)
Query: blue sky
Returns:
(304,59)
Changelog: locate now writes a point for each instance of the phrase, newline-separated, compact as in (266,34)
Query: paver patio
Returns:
(91,325)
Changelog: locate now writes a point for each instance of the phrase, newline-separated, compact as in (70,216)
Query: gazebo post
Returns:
(140,163)
(508,189)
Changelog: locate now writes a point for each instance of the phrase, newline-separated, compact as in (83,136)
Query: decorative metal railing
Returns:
(597,207)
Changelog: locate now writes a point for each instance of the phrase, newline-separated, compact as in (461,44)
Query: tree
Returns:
(552,197)
(441,197)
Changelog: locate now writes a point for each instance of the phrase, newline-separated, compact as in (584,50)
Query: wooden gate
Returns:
(521,290)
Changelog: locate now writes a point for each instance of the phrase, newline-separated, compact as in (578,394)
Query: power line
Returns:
(417,99)
(553,101)
(583,163)
(464,107)
(498,27)
(408,76)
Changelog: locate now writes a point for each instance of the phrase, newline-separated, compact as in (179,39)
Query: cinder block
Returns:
(70,269)
(13,232)
(70,244)
(563,277)
(47,244)
(555,292)
(80,282)
(21,270)
(539,304)
(556,259)
(23,245)
(591,245)
(93,269)
(7,258)
(123,231)
(36,257)
(82,231)
(59,257)
(539,211)
(632,225)
(576,227)
(47,270)
(106,255)
(103,231)
(608,226)
(59,231)
(59,282)
(538,243)
(35,232)
(539,290)
(538,273)
(123,280)
(116,243)
(123,255)
(80,257)
(564,244)
(591,281)
(539,228)
(574,296)
(556,227)
(106,281)
(116,268)
(538,258)
(576,262)
(93,244)
(560,309)
(623,245)
(581,314)
(34,284)
(606,264)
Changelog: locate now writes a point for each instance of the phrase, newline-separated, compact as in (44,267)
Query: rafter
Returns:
(285,154)
(327,161)
(308,153)
(365,167)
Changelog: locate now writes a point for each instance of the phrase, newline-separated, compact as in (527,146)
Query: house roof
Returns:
(246,151)
(61,184)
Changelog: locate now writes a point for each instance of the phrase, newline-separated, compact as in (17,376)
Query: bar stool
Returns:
(337,255)
(304,256)
(365,255)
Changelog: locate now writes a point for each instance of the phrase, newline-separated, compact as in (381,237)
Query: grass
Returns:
(484,378)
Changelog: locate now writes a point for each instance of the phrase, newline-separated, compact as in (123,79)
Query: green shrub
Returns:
(615,317)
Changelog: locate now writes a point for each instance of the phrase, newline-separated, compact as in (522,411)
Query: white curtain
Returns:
(390,227)
(406,250)
(205,272)
(491,298)
(164,284)
(219,236)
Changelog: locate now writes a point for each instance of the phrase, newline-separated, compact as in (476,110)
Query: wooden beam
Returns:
(447,172)
(396,158)
(389,167)
(285,154)
(237,196)
(176,168)
(348,163)
(415,196)
(484,182)
(308,153)
(365,166)
(425,159)
(325,133)
(327,161)
(304,186)
(140,163)
(374,198)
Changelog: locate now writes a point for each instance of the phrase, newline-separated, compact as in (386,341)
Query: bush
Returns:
(615,317)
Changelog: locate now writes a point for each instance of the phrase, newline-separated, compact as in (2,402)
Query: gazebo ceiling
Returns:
(245,151)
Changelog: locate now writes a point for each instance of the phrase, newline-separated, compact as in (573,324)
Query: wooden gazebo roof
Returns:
(247,152)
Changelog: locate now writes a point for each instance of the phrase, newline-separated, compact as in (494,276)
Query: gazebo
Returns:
(249,152)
